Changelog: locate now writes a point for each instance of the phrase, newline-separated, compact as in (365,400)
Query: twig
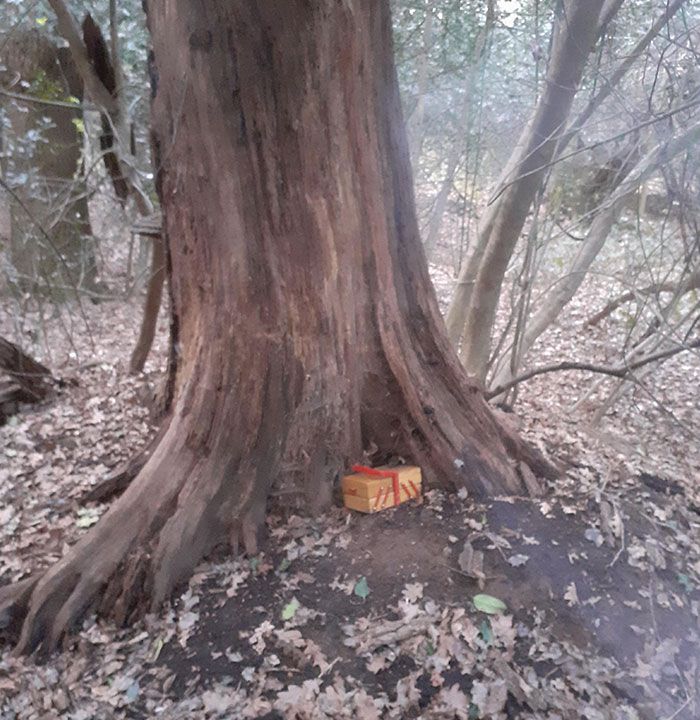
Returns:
(622,371)
(41,101)
(60,257)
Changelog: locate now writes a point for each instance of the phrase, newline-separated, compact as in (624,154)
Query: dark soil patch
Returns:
(614,610)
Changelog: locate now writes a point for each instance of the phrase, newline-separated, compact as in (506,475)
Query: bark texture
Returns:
(305,324)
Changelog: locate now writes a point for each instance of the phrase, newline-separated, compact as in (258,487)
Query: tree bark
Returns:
(306,328)
(479,285)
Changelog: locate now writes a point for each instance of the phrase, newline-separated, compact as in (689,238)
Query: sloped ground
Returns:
(373,616)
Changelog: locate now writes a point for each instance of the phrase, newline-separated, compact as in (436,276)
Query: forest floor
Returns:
(373,616)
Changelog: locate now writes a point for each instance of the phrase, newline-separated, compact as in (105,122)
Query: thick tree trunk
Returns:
(473,307)
(306,326)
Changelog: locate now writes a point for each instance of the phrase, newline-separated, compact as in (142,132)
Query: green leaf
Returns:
(473,711)
(488,604)
(361,588)
(254,562)
(41,21)
(485,631)
(289,609)
(283,565)
(79,125)
(684,580)
(10,452)
(429,648)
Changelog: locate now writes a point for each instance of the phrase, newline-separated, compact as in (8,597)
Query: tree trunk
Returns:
(42,165)
(154,294)
(305,324)
(455,153)
(415,121)
(564,291)
(479,286)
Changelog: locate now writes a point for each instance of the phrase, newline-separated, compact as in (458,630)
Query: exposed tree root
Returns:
(14,601)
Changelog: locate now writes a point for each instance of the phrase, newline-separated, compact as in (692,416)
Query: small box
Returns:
(372,489)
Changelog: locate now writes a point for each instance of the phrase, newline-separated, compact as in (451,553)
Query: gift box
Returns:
(372,489)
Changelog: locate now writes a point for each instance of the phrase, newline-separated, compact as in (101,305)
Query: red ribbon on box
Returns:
(381,473)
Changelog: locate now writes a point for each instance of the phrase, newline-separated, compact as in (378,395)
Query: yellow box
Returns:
(372,489)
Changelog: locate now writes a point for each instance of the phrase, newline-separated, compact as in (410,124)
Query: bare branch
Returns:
(692,283)
(41,101)
(610,83)
(622,371)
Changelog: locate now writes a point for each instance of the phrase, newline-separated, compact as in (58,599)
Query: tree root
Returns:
(14,603)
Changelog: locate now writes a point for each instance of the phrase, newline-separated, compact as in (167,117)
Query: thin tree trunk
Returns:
(610,83)
(574,34)
(102,76)
(154,296)
(456,150)
(415,121)
(595,239)
(306,326)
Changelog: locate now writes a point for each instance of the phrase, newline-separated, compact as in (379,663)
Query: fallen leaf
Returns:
(289,609)
(488,604)
(361,588)
(571,596)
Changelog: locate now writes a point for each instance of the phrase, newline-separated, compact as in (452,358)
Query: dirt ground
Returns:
(377,616)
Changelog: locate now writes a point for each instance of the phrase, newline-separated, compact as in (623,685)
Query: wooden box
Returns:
(372,489)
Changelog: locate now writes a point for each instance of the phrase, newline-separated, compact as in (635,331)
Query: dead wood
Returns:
(692,283)
(14,602)
(33,377)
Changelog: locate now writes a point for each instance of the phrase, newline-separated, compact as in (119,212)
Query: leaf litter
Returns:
(598,579)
